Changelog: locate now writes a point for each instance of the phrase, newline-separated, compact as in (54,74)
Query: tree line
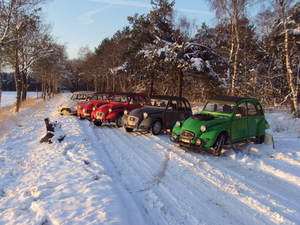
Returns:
(25,43)
(158,54)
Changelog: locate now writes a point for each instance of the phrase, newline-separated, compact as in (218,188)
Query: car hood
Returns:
(88,105)
(69,104)
(114,106)
(98,102)
(103,108)
(194,122)
(150,110)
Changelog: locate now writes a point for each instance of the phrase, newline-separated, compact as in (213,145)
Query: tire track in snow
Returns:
(152,191)
(281,204)
(155,175)
(273,206)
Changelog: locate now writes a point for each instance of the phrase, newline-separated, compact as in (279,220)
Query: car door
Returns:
(253,119)
(171,114)
(184,110)
(134,103)
(239,123)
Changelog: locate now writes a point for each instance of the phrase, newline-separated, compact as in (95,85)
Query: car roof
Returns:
(128,94)
(105,92)
(84,92)
(231,99)
(167,97)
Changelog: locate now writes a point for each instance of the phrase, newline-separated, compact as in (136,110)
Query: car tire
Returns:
(97,123)
(128,129)
(156,127)
(218,146)
(119,121)
(260,139)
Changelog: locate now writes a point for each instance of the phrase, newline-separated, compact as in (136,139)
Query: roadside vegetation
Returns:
(242,55)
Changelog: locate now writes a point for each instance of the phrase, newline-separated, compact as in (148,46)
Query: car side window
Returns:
(172,105)
(181,105)
(259,110)
(134,100)
(251,109)
(142,100)
(241,110)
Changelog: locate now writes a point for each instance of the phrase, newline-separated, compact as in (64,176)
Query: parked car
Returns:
(161,114)
(223,120)
(70,107)
(114,110)
(99,98)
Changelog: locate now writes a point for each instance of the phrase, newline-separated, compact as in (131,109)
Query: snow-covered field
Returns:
(103,175)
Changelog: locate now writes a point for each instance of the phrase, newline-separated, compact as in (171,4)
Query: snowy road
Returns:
(146,179)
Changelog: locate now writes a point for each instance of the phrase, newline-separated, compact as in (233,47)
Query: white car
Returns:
(77,98)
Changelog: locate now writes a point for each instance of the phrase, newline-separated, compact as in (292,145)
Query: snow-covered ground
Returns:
(103,175)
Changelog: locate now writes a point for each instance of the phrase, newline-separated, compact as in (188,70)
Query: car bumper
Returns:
(191,142)
(138,128)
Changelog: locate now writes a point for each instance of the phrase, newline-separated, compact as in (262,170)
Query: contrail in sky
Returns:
(87,17)
(147,5)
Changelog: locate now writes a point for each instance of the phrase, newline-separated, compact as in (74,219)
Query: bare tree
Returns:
(232,11)
(13,15)
(282,38)
(284,6)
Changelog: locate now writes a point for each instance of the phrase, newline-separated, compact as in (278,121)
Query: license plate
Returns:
(131,123)
(185,140)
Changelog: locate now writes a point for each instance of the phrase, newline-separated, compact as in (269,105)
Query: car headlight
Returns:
(173,137)
(110,110)
(203,128)
(94,108)
(126,112)
(145,115)
(198,142)
(178,124)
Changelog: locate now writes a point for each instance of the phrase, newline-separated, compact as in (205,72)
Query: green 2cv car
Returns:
(223,121)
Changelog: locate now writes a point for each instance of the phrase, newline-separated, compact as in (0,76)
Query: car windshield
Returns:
(159,102)
(219,107)
(120,99)
(99,97)
(78,97)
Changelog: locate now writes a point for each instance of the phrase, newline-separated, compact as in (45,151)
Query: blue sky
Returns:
(78,23)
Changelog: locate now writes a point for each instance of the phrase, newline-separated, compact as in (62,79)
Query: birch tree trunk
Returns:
(289,73)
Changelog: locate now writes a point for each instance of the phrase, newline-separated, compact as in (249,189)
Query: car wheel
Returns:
(219,145)
(97,123)
(128,129)
(80,117)
(156,127)
(260,139)
(119,121)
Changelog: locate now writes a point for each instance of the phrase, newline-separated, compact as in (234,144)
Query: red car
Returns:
(99,98)
(114,110)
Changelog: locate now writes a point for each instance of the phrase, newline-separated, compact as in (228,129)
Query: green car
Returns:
(223,121)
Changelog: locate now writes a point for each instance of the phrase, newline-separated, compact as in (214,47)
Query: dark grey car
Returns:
(161,114)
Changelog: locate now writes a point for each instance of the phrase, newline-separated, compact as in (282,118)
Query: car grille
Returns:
(187,134)
(100,115)
(132,120)
(87,111)
(66,109)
